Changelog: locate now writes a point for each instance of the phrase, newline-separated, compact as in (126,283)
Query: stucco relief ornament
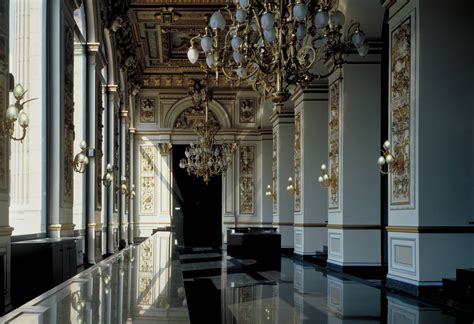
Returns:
(247,110)
(400,108)
(147,110)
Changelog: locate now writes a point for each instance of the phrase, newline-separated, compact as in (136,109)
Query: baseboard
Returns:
(409,288)
(364,272)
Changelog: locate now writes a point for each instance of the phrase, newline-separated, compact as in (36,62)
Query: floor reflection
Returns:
(296,293)
(140,285)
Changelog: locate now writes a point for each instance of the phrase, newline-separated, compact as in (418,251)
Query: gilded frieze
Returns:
(247,111)
(247,175)
(400,110)
(147,110)
(297,192)
(334,143)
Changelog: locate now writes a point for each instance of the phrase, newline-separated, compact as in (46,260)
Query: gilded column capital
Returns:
(124,114)
(93,47)
(111,87)
(165,148)
(132,130)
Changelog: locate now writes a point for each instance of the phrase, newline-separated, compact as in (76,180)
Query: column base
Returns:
(286,231)
(420,260)
(310,240)
(354,247)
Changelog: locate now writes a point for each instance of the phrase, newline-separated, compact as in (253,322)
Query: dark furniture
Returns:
(39,265)
(261,243)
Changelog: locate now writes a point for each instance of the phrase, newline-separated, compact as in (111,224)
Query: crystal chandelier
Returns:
(206,158)
(274,45)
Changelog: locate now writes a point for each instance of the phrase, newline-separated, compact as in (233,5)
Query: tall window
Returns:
(27,158)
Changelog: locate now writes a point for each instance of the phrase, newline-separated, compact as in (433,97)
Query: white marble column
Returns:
(354,226)
(311,135)
(283,168)
(93,49)
(60,131)
(123,213)
(133,186)
(431,186)
(110,191)
(5,229)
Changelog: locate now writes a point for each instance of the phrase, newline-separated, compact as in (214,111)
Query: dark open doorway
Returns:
(197,212)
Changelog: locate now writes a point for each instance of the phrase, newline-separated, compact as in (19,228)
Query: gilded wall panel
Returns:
(147,110)
(99,139)
(297,180)
(68,130)
(275,171)
(247,179)
(401,84)
(334,142)
(3,92)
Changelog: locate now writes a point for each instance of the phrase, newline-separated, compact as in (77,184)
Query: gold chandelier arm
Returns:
(227,9)
(18,138)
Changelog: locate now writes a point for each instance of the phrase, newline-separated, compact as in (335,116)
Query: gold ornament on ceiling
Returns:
(167,16)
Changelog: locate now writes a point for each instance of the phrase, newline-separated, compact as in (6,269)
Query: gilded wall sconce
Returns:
(327,179)
(387,162)
(124,188)
(270,193)
(292,188)
(81,160)
(108,176)
(15,113)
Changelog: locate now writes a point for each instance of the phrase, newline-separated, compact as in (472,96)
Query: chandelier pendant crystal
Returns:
(206,158)
(273,45)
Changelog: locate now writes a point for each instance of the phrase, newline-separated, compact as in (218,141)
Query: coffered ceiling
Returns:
(164,28)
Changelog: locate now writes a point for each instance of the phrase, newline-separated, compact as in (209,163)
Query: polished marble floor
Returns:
(141,284)
(151,283)
(222,289)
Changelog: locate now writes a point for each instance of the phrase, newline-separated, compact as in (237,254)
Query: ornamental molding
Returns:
(402,112)
(246,179)
(191,116)
(334,142)
(147,110)
(297,151)
(275,171)
(247,110)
